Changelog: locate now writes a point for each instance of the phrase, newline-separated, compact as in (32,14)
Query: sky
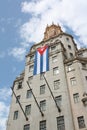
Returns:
(22,24)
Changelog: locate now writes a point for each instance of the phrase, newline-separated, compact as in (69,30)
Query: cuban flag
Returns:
(41,63)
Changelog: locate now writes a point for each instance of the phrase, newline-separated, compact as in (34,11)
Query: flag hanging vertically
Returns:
(41,63)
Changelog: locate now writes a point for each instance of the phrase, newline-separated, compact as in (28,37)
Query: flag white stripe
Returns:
(44,61)
(38,62)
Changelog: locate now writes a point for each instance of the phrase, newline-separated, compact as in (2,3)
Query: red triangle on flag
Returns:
(42,49)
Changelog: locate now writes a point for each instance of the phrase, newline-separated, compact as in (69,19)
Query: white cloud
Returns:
(43,12)
(4,93)
(4,107)
(18,53)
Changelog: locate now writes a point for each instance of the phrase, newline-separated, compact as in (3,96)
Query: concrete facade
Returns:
(71,87)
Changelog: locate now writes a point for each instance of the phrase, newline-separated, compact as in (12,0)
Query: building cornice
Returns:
(76,58)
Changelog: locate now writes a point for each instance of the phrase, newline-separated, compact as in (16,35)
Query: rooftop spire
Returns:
(52,31)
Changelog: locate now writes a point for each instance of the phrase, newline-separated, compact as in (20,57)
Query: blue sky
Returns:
(22,24)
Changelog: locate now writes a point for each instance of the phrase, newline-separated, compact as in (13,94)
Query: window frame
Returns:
(31,68)
(43,105)
(15,117)
(56,71)
(19,85)
(73,81)
(27,125)
(32,58)
(60,123)
(76,98)
(54,59)
(81,122)
(56,84)
(42,125)
(42,89)
(28,109)
(29,94)
(58,100)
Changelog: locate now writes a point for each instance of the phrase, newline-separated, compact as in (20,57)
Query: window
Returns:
(56,84)
(71,55)
(69,47)
(53,48)
(81,122)
(29,94)
(15,115)
(28,109)
(80,54)
(60,123)
(55,71)
(42,89)
(18,99)
(67,39)
(27,127)
(42,125)
(31,68)
(43,105)
(42,76)
(73,81)
(30,79)
(54,59)
(20,85)
(70,68)
(58,100)
(31,57)
(76,97)
(84,65)
(86,77)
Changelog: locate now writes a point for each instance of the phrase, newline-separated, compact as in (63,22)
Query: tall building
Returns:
(51,95)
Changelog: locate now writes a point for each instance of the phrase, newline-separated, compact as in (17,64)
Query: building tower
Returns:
(54,98)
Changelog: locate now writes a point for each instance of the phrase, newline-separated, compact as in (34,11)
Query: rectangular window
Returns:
(43,125)
(31,57)
(29,94)
(60,123)
(81,122)
(84,65)
(27,127)
(70,68)
(42,76)
(31,68)
(56,84)
(28,109)
(20,85)
(69,47)
(58,100)
(71,55)
(55,71)
(54,59)
(73,81)
(42,89)
(15,115)
(30,79)
(43,105)
(80,54)
(86,77)
(18,99)
(76,97)
(53,48)
(67,38)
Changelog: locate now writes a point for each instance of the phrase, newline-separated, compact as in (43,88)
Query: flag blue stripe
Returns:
(35,64)
(41,63)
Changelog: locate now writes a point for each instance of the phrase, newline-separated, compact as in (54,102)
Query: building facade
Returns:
(55,99)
